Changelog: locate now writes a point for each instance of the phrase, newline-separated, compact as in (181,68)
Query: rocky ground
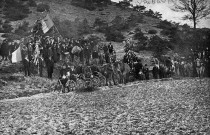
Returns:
(171,107)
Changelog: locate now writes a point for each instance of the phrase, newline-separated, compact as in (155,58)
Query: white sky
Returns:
(164,8)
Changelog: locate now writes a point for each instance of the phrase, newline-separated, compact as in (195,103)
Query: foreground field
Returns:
(163,107)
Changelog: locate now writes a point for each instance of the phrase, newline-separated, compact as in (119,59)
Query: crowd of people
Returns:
(44,50)
(40,51)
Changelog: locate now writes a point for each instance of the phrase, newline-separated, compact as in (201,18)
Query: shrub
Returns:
(10,36)
(32,3)
(157,15)
(165,32)
(23,29)
(1,3)
(84,4)
(100,25)
(124,4)
(141,40)
(84,28)
(14,15)
(6,28)
(67,28)
(159,46)
(139,47)
(152,32)
(132,20)
(43,7)
(14,10)
(139,8)
(139,35)
(119,23)
(114,35)
(164,24)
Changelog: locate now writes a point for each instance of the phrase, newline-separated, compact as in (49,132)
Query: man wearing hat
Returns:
(137,66)
(110,47)
(50,67)
(63,76)
(146,71)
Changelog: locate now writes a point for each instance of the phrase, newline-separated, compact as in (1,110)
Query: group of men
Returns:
(44,50)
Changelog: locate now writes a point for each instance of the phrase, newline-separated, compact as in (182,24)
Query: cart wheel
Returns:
(88,83)
(63,89)
(131,78)
(116,78)
(80,84)
(58,86)
(102,80)
(71,85)
(96,81)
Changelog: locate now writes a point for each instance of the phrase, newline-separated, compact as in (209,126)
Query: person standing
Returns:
(146,71)
(110,48)
(155,72)
(207,61)
(25,58)
(138,66)
(161,71)
(50,67)
(105,48)
(63,76)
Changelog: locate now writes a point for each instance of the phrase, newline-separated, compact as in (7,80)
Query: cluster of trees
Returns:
(90,4)
(142,40)
(113,31)
(168,29)
(14,10)
(195,9)
(22,30)
(159,46)
(153,14)
(43,7)
(124,4)
(5,26)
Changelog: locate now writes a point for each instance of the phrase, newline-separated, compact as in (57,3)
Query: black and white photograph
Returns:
(104,67)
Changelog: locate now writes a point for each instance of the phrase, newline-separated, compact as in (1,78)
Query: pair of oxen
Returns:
(96,75)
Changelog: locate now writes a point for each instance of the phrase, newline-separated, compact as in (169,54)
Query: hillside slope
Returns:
(65,11)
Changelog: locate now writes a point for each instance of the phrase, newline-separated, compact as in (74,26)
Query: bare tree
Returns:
(196,9)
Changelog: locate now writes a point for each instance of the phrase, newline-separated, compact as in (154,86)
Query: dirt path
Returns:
(164,107)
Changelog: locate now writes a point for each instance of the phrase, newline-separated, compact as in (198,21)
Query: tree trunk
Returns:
(194,22)
(194,13)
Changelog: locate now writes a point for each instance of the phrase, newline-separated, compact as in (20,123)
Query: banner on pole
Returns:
(47,23)
(16,56)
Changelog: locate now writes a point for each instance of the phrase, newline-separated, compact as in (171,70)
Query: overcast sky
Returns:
(164,8)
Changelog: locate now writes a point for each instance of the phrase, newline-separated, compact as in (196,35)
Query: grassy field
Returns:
(173,107)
